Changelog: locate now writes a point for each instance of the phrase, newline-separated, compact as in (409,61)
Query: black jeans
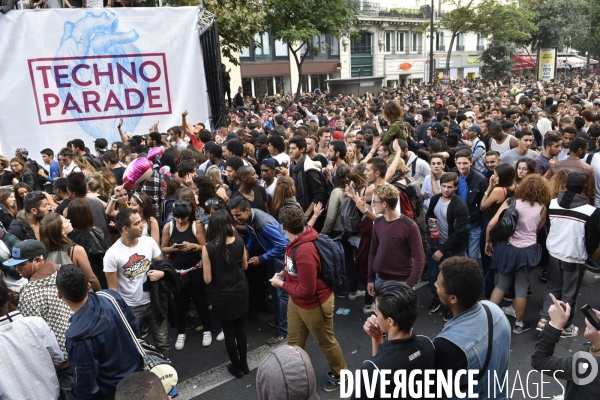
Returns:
(257,287)
(228,93)
(234,332)
(196,290)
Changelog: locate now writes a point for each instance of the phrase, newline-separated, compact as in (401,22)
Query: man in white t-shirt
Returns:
(126,266)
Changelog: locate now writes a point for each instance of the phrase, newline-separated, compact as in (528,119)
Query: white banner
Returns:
(404,66)
(72,73)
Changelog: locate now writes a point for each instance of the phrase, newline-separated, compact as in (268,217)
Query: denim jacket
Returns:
(469,331)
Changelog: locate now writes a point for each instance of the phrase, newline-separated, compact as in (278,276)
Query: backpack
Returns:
(411,202)
(351,216)
(63,256)
(34,167)
(333,267)
(507,223)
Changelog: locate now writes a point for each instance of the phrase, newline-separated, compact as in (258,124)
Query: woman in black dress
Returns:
(223,259)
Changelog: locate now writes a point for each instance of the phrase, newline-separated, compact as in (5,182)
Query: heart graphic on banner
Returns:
(94,40)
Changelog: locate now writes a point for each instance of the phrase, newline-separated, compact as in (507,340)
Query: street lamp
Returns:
(589,52)
(431,69)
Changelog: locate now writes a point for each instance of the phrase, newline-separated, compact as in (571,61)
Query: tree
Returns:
(497,61)
(239,21)
(558,23)
(582,44)
(489,18)
(296,22)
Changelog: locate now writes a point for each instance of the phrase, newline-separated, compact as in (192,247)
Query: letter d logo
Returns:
(580,368)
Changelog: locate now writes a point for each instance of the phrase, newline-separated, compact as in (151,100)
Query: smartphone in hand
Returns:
(591,316)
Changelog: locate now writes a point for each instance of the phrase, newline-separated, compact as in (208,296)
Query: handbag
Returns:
(507,223)
(153,360)
(98,244)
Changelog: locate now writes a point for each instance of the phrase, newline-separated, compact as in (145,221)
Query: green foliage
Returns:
(295,22)
(581,44)
(239,21)
(497,63)
(558,23)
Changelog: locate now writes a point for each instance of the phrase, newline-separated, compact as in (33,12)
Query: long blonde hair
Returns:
(214,174)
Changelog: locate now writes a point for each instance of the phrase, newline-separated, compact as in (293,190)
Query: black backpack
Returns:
(507,223)
(350,215)
(34,167)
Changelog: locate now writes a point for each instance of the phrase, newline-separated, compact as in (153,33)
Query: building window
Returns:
(387,42)
(480,43)
(416,42)
(264,48)
(329,48)
(266,85)
(401,42)
(335,47)
(363,45)
(439,41)
(460,42)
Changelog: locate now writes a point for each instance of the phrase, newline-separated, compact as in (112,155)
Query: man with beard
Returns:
(552,148)
(336,154)
(26,224)
(369,132)
(310,188)
(311,151)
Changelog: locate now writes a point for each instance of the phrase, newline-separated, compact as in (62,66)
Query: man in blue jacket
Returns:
(266,238)
(100,348)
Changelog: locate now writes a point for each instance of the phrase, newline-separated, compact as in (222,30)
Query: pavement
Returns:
(202,373)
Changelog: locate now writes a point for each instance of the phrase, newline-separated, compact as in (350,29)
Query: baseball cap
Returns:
(231,135)
(597,101)
(475,128)
(271,163)
(24,251)
(470,114)
(261,139)
(438,127)
(337,135)
(440,102)
(101,144)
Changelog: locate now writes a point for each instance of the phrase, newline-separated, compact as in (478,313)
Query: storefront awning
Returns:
(574,62)
(523,62)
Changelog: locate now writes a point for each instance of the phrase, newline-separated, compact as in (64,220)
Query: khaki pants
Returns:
(302,321)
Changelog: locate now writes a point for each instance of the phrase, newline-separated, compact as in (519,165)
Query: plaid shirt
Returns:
(152,189)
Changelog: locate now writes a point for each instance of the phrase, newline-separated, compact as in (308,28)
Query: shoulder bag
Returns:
(153,360)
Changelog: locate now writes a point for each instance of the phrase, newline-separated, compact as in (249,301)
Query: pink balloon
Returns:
(155,152)
(137,173)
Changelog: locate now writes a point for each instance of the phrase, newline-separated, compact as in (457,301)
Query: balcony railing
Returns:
(460,47)
(401,49)
(415,49)
(405,13)
(361,49)
(441,47)
(373,8)
(480,47)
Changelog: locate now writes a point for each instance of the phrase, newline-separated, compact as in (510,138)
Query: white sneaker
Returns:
(510,311)
(220,336)
(180,342)
(359,293)
(369,310)
(206,339)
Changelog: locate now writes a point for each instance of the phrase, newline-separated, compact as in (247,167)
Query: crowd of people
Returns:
(470,187)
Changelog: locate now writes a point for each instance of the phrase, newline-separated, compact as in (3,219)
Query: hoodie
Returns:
(309,181)
(100,348)
(20,227)
(574,228)
(302,280)
(286,374)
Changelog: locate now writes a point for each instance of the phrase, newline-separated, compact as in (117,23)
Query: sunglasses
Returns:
(211,202)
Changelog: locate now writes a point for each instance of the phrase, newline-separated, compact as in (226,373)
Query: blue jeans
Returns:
(473,249)
(433,270)
(280,298)
(65,381)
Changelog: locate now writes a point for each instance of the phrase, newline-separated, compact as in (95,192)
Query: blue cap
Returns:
(271,163)
(475,128)
(231,135)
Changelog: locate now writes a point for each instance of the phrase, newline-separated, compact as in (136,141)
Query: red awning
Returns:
(523,62)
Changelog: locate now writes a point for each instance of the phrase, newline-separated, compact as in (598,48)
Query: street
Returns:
(202,373)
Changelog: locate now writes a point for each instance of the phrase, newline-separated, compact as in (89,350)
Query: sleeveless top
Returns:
(529,218)
(184,259)
(500,148)
(496,206)
(228,286)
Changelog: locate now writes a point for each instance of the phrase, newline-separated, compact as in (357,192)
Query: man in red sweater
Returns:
(311,303)
(396,247)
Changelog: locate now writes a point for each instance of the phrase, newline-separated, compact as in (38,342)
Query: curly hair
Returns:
(463,279)
(558,182)
(393,111)
(534,189)
(206,189)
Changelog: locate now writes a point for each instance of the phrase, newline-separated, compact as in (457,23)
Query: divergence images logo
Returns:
(583,361)
(97,76)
